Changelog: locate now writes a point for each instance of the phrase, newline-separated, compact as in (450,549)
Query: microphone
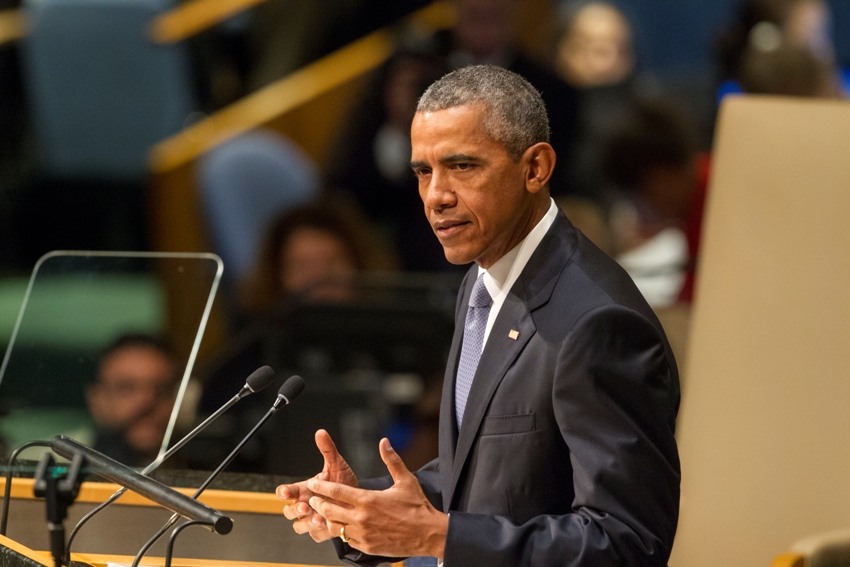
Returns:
(290,390)
(151,489)
(256,381)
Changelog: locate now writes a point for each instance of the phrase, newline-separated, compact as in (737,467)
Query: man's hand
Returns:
(396,522)
(336,470)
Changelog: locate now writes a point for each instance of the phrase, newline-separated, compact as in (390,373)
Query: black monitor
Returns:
(367,362)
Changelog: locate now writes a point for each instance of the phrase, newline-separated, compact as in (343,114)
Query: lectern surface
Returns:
(100,560)
(260,533)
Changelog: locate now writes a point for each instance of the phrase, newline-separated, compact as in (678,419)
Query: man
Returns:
(132,398)
(565,453)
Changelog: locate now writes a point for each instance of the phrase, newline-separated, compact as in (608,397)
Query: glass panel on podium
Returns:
(78,302)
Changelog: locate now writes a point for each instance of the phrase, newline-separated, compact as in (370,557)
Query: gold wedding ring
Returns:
(342,535)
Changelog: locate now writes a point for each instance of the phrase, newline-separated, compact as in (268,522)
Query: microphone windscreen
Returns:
(260,378)
(292,388)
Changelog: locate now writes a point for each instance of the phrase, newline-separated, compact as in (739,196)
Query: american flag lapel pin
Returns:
(513,334)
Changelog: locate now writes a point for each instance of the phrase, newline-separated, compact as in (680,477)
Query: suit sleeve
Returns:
(614,396)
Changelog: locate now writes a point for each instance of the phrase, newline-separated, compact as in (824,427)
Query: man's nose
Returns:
(438,193)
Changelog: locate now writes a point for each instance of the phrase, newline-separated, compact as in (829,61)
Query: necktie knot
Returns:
(480,297)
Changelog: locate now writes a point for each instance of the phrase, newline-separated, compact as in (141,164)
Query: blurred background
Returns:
(273,134)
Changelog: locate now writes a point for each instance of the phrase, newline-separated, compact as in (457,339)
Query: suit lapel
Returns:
(511,332)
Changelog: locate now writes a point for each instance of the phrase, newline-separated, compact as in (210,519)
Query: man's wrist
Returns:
(441,556)
(440,532)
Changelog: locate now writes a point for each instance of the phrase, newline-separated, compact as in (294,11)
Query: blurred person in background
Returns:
(132,398)
(791,36)
(311,253)
(653,161)
(371,156)
(594,51)
(594,46)
(789,70)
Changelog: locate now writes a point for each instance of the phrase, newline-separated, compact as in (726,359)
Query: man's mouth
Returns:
(449,228)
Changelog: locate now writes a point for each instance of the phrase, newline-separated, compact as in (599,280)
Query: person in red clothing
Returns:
(693,225)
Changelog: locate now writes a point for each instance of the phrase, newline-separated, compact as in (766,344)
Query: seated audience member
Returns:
(132,398)
(594,46)
(788,70)
(653,161)
(310,253)
(763,26)
(594,52)
(372,156)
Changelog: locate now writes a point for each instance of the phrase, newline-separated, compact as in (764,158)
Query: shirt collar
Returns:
(504,272)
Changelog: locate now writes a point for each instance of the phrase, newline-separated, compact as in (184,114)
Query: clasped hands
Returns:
(396,522)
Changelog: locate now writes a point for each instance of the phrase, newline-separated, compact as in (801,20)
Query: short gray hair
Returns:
(514,111)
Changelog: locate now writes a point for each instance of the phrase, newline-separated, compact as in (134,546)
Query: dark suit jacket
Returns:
(567,453)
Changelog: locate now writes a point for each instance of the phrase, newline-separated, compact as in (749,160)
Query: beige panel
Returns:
(764,429)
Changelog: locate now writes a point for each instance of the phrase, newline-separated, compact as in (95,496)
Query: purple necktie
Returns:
(473,342)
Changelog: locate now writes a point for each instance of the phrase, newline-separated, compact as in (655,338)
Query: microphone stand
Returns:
(59,491)
(258,380)
(7,491)
(171,521)
(147,470)
(170,551)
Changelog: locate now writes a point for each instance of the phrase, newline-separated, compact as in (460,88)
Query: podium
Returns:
(261,536)
(14,554)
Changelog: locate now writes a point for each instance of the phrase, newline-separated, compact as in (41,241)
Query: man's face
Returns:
(135,394)
(475,196)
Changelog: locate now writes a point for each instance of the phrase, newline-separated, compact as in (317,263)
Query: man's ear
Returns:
(540,159)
